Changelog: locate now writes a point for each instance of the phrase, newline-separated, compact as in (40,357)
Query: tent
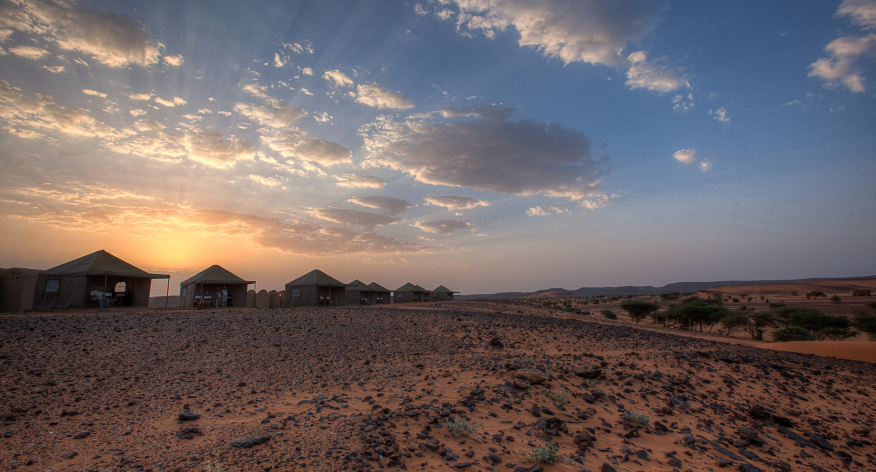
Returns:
(408,293)
(442,294)
(358,293)
(69,285)
(425,295)
(379,294)
(207,282)
(17,287)
(316,288)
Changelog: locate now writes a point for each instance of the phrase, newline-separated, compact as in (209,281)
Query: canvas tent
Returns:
(408,293)
(17,287)
(424,294)
(358,293)
(315,288)
(379,294)
(69,285)
(208,281)
(442,294)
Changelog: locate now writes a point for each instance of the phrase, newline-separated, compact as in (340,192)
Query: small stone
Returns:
(82,435)
(189,415)
(249,441)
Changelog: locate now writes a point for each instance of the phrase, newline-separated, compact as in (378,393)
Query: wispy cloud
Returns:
(545,211)
(337,78)
(841,68)
(375,96)
(361,181)
(454,202)
(691,157)
(389,205)
(445,226)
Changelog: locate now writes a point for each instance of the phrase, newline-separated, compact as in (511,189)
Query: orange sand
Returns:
(851,350)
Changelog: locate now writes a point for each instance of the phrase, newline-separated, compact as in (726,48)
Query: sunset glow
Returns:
(482,145)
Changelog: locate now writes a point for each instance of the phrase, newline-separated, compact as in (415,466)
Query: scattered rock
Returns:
(249,441)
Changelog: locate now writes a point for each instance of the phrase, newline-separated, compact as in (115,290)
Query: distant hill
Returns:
(638,290)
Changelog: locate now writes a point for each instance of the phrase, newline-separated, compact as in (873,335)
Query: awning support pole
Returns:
(167,292)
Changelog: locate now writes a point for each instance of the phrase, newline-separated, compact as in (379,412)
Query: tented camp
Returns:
(379,294)
(409,293)
(315,288)
(17,288)
(200,289)
(442,294)
(69,285)
(358,294)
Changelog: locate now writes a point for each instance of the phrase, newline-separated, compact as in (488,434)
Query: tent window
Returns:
(52,285)
(120,287)
(296,292)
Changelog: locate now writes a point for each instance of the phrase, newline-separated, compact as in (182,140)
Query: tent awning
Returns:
(100,263)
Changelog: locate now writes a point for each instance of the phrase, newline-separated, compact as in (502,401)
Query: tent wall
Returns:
(379,298)
(310,296)
(17,290)
(405,297)
(237,294)
(442,296)
(359,297)
(70,293)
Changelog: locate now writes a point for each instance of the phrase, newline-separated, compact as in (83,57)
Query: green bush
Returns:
(836,334)
(866,323)
(561,396)
(609,314)
(835,299)
(639,418)
(544,454)
(459,427)
(792,333)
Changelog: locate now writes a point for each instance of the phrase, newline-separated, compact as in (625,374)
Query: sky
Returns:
(484,145)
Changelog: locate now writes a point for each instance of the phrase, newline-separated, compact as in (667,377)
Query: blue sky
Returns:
(484,145)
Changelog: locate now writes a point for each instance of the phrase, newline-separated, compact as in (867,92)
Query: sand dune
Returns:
(851,350)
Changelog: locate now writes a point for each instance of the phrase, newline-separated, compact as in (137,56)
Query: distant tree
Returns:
(792,333)
(638,310)
(749,299)
(815,295)
(734,321)
(718,299)
(776,305)
(758,322)
(670,296)
(835,299)
(608,314)
(735,300)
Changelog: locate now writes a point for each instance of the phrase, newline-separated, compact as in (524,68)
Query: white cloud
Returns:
(114,40)
(137,112)
(589,31)
(361,181)
(444,226)
(686,156)
(276,115)
(29,52)
(454,202)
(690,157)
(142,97)
(256,90)
(223,113)
(215,150)
(345,216)
(54,69)
(721,115)
(390,205)
(80,61)
(280,60)
(94,93)
(193,117)
(298,48)
(322,152)
(510,157)
(205,111)
(322,117)
(267,181)
(306,92)
(18,111)
(170,103)
(545,211)
(375,96)
(337,78)
(307,71)
(175,60)
(683,104)
(653,76)
(841,69)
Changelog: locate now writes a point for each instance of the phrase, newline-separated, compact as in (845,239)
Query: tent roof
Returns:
(359,285)
(442,289)
(316,278)
(215,274)
(377,288)
(100,263)
(409,287)
(421,289)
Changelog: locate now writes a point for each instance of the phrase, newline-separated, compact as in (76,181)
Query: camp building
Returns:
(201,288)
(316,288)
(409,293)
(69,285)
(442,294)
(379,294)
(358,293)
(17,288)
(425,295)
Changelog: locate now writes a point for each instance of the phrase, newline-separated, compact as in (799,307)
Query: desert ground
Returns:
(373,389)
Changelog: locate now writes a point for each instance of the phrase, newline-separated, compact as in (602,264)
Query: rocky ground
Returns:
(374,388)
